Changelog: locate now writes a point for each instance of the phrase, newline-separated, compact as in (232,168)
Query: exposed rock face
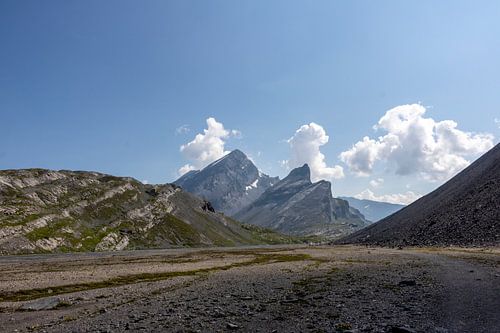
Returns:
(229,183)
(296,206)
(464,211)
(207,206)
(373,210)
(53,211)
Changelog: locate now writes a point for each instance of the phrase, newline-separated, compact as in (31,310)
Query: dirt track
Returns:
(316,289)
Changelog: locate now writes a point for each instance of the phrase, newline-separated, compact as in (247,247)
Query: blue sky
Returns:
(103,85)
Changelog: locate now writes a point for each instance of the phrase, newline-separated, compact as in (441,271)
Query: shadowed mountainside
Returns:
(464,211)
(297,206)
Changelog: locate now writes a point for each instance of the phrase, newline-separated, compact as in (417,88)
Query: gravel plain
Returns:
(266,289)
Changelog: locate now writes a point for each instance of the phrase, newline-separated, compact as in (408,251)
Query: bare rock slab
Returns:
(49,303)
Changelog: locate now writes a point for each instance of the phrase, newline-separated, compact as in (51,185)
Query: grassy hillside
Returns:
(63,211)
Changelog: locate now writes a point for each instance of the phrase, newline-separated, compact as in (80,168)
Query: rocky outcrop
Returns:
(229,183)
(58,211)
(297,206)
(207,206)
(465,211)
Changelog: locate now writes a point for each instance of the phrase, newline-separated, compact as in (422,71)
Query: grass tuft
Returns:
(30,294)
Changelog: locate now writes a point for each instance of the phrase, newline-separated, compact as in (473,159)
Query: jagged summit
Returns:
(301,173)
(295,205)
(236,153)
(230,183)
(235,156)
(297,179)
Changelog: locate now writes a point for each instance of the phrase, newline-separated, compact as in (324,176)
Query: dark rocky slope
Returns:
(229,183)
(57,211)
(297,206)
(464,211)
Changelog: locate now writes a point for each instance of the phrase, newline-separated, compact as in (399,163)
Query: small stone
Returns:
(232,326)
(290,300)
(401,329)
(42,304)
(407,283)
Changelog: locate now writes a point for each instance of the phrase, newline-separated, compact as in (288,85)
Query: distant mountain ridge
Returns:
(297,206)
(230,183)
(373,210)
(464,211)
(62,211)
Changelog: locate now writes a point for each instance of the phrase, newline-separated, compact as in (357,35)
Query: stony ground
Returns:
(272,289)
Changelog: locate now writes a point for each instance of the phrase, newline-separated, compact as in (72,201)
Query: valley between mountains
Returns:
(228,248)
(228,203)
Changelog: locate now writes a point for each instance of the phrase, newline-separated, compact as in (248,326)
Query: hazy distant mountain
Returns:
(297,206)
(464,211)
(373,210)
(229,183)
(60,211)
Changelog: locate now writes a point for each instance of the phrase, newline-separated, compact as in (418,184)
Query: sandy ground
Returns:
(269,289)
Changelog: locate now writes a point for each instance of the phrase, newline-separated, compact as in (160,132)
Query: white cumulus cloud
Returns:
(305,148)
(414,144)
(206,147)
(398,198)
(376,182)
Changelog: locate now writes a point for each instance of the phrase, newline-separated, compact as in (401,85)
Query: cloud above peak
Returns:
(206,147)
(414,144)
(305,148)
(397,198)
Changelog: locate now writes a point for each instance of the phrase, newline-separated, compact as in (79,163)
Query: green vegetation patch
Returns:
(52,229)
(260,235)
(174,230)
(30,294)
(30,218)
(89,238)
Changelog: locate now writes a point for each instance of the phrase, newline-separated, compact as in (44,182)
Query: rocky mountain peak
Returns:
(237,154)
(299,178)
(229,183)
(297,206)
(232,161)
(300,173)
